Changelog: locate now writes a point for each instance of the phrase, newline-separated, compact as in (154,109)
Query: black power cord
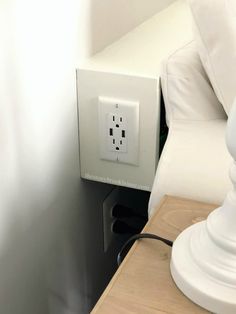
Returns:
(141,236)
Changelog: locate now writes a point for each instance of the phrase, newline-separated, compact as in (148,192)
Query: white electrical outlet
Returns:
(118,130)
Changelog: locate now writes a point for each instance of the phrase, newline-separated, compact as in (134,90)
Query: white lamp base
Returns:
(203,262)
(203,265)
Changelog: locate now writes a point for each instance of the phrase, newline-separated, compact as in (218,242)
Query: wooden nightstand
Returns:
(143,283)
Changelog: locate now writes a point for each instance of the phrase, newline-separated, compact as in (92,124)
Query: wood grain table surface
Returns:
(143,282)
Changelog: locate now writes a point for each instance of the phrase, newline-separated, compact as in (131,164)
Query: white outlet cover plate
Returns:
(144,91)
(125,115)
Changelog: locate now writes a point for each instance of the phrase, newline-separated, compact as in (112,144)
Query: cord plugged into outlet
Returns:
(118,130)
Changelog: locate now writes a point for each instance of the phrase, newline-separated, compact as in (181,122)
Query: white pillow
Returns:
(215,30)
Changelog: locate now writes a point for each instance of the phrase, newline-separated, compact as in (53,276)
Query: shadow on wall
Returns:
(22,285)
(51,232)
(37,218)
(39,162)
(112,19)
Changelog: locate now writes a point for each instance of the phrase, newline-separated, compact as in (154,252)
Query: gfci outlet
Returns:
(118,130)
